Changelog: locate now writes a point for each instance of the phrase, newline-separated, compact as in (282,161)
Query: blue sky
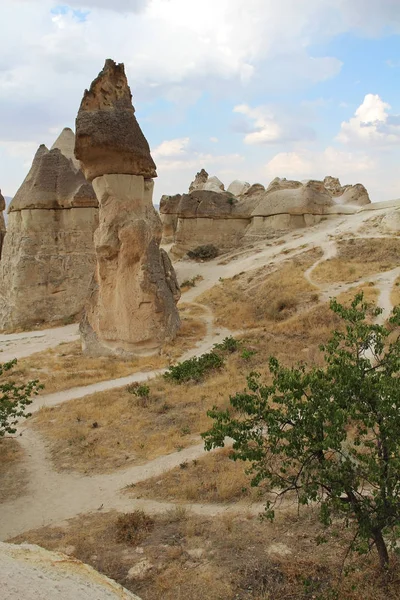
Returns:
(248,89)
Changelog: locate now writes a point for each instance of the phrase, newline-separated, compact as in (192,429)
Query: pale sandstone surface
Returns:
(2,221)
(204,217)
(29,572)
(131,309)
(54,181)
(108,137)
(246,212)
(199,181)
(238,188)
(48,255)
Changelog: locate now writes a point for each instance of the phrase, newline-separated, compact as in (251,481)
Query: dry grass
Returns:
(395,295)
(213,478)
(369,290)
(182,556)
(65,366)
(130,431)
(359,258)
(13,476)
(261,297)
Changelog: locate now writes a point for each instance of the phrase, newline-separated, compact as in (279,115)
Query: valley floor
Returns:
(90,454)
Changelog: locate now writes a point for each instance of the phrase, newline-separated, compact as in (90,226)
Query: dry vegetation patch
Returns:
(113,429)
(13,475)
(359,257)
(264,296)
(177,555)
(212,478)
(368,289)
(395,296)
(65,366)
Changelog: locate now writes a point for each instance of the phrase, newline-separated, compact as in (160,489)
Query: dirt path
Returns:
(20,345)
(53,497)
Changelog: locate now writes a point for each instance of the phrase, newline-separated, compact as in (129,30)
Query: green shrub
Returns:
(229,344)
(195,368)
(14,398)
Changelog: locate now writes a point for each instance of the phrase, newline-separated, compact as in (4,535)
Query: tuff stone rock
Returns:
(108,137)
(2,221)
(28,572)
(199,181)
(204,217)
(132,304)
(48,254)
(250,212)
(203,182)
(238,188)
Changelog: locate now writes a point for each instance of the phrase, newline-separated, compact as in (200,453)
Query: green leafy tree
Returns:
(14,398)
(330,434)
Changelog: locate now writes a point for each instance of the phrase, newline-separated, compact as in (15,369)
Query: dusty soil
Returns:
(13,474)
(179,555)
(221,551)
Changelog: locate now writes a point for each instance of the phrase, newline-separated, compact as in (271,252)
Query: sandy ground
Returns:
(53,497)
(20,345)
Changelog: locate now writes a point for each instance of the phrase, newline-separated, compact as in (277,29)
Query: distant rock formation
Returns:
(204,217)
(245,212)
(132,305)
(238,188)
(28,572)
(48,255)
(2,221)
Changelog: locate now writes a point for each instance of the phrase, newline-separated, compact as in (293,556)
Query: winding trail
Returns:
(51,496)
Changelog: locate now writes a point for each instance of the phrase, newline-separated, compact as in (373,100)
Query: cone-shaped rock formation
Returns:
(2,222)
(108,137)
(132,306)
(48,255)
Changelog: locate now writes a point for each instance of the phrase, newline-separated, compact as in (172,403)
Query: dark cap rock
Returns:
(108,137)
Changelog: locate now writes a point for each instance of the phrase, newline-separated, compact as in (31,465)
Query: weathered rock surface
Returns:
(2,221)
(203,182)
(48,255)
(108,137)
(132,305)
(244,212)
(199,181)
(238,188)
(204,217)
(28,572)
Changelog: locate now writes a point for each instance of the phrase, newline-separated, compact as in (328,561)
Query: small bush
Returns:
(247,354)
(133,528)
(229,344)
(189,283)
(14,398)
(207,252)
(195,368)
(141,391)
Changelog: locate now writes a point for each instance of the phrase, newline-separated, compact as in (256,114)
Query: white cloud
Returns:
(171,148)
(214,140)
(266,129)
(371,124)
(264,126)
(305,164)
(174,50)
(114,5)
